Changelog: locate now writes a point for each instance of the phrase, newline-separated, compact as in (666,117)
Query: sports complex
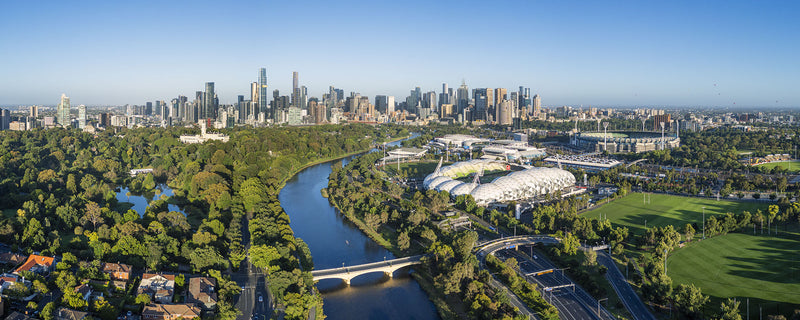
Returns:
(522,183)
(625,141)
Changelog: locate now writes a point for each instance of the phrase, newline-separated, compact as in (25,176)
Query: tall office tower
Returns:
(295,89)
(381,104)
(303,97)
(524,97)
(105,119)
(263,94)
(34,112)
(429,100)
(462,98)
(182,107)
(276,97)
(481,103)
(5,119)
(148,109)
(62,113)
(174,107)
(81,116)
(504,111)
(157,108)
(209,109)
(537,105)
(389,105)
(241,109)
(443,97)
(500,94)
(320,114)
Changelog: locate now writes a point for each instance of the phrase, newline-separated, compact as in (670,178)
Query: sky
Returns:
(589,53)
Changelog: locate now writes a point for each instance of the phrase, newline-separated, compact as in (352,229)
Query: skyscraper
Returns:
(209,103)
(263,94)
(62,113)
(81,116)
(500,94)
(389,105)
(295,89)
(462,97)
(537,105)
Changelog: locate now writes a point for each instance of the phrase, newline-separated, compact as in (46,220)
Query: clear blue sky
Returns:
(633,53)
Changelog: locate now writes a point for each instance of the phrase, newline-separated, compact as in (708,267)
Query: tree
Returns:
(569,245)
(730,310)
(689,300)
(403,241)
(143,299)
(590,257)
(93,214)
(688,232)
(48,311)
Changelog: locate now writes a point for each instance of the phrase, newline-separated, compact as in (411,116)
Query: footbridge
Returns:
(388,267)
(490,247)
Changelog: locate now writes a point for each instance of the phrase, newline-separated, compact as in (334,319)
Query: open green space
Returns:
(788,165)
(660,210)
(413,169)
(765,269)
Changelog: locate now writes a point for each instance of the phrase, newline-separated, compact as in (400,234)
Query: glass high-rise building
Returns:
(209,102)
(62,113)
(263,98)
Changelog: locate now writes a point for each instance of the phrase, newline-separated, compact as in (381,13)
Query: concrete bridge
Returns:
(490,247)
(388,267)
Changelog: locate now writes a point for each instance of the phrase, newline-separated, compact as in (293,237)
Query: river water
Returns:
(335,241)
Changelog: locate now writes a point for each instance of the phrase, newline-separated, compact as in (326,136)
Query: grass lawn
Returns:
(788,165)
(662,210)
(413,169)
(763,268)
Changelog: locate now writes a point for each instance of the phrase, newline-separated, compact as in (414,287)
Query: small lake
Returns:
(141,201)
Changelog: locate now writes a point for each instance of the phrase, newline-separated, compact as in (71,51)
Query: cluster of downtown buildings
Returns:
(262,107)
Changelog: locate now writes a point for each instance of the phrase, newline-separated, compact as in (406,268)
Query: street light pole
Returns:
(704,223)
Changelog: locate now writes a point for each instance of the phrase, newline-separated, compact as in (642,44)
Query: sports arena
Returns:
(517,185)
(625,141)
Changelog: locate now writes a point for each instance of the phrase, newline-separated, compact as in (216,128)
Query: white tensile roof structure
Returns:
(518,185)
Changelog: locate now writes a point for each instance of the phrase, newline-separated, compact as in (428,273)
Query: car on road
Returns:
(260,299)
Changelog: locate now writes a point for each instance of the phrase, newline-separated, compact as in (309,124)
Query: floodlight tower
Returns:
(704,222)
(605,136)
(643,121)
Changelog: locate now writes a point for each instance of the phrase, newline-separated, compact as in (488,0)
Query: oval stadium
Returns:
(524,184)
(625,141)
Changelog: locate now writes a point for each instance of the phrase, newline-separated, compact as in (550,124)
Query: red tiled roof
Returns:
(34,260)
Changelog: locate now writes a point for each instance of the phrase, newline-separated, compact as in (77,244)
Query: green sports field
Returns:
(762,268)
(788,165)
(662,210)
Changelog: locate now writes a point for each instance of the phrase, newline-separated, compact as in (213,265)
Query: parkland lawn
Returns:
(660,210)
(788,165)
(765,269)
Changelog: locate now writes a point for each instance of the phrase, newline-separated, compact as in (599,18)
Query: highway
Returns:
(628,296)
(513,299)
(572,302)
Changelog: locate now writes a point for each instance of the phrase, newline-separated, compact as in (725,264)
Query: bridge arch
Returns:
(350,272)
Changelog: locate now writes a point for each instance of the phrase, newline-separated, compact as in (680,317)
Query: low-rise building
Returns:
(159,287)
(170,311)
(202,292)
(117,271)
(69,314)
(37,264)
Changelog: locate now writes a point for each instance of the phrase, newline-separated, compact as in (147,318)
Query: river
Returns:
(335,241)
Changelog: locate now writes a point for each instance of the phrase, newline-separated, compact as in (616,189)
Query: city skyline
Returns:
(620,54)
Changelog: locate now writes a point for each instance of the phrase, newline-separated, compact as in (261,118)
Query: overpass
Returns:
(388,267)
(490,247)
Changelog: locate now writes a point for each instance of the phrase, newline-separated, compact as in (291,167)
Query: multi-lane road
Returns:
(629,298)
(254,301)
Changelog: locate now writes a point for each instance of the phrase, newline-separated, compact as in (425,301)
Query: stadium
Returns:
(625,141)
(523,184)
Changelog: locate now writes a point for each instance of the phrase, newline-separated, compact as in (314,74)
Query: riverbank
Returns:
(323,160)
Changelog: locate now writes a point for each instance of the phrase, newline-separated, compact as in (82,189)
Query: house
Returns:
(18,316)
(202,292)
(158,286)
(11,258)
(37,264)
(170,311)
(117,271)
(69,314)
(84,291)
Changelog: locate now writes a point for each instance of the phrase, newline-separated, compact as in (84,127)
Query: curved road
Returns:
(629,297)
